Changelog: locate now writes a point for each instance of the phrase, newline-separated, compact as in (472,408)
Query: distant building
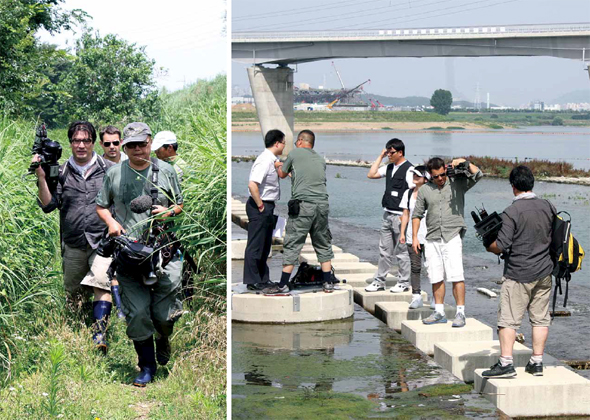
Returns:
(304,86)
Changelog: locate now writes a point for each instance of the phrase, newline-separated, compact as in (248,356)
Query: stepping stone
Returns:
(462,358)
(295,308)
(363,280)
(559,392)
(343,268)
(311,258)
(238,249)
(425,336)
(394,313)
(368,300)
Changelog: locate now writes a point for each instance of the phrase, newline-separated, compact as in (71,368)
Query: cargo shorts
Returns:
(517,298)
(149,309)
(312,219)
(84,267)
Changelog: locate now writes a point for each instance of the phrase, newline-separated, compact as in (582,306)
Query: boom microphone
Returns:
(141,204)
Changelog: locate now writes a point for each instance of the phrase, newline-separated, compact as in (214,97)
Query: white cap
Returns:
(421,172)
(162,138)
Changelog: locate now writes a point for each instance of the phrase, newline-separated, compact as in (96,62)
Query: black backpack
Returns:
(309,275)
(566,252)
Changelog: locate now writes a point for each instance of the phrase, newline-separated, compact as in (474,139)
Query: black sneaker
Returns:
(328,287)
(499,371)
(535,369)
(258,286)
(276,289)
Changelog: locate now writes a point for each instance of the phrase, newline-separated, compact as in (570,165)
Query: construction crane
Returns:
(338,74)
(345,94)
(373,106)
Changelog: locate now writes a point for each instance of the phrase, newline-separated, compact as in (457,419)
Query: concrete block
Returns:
(559,392)
(238,248)
(298,307)
(342,268)
(368,299)
(425,336)
(461,358)
(312,259)
(394,313)
(364,279)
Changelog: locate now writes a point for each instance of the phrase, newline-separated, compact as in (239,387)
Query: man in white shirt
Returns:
(398,178)
(264,189)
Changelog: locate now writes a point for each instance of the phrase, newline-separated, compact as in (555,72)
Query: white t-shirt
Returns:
(263,172)
(422,230)
(409,178)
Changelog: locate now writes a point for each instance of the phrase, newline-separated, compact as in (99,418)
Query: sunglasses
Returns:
(392,152)
(108,143)
(86,142)
(438,176)
(135,144)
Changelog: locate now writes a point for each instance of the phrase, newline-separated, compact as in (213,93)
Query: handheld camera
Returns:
(50,152)
(487,225)
(460,170)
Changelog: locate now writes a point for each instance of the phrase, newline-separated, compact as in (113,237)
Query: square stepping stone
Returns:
(308,249)
(368,299)
(425,336)
(394,313)
(462,358)
(343,268)
(312,259)
(364,279)
(559,392)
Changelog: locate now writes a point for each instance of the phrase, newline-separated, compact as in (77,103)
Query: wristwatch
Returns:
(172,213)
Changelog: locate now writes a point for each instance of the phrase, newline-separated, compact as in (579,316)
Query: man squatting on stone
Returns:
(264,189)
(398,179)
(445,227)
(149,309)
(525,240)
(308,185)
(81,178)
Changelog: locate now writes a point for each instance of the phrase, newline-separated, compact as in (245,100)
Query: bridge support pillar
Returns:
(273,94)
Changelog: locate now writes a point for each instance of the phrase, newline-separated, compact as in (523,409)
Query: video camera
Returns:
(460,170)
(50,152)
(486,226)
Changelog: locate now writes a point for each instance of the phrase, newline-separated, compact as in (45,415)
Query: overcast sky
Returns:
(511,81)
(183,36)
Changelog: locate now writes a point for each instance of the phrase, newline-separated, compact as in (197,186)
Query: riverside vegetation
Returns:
(48,366)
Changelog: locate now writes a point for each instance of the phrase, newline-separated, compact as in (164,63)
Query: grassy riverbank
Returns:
(244,116)
(48,366)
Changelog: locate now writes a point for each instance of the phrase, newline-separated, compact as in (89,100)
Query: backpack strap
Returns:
(410,192)
(154,181)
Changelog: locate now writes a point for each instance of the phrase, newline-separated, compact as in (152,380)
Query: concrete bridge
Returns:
(273,87)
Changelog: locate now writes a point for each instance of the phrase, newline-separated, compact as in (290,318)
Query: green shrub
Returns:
(557,121)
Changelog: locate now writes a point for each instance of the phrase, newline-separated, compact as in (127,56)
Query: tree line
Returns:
(100,78)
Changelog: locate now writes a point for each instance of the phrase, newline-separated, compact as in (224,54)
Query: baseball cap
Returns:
(135,132)
(421,171)
(162,138)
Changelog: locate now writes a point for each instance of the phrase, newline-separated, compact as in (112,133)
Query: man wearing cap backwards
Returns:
(110,141)
(81,178)
(149,310)
(165,147)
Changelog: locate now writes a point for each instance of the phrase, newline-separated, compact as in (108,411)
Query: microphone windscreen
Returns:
(141,204)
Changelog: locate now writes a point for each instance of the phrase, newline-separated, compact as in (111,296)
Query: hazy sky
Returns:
(510,81)
(185,37)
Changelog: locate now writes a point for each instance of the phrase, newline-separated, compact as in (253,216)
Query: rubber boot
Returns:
(101,311)
(163,347)
(117,298)
(146,361)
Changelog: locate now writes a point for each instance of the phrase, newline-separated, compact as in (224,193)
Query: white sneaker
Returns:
(432,303)
(375,286)
(416,302)
(400,287)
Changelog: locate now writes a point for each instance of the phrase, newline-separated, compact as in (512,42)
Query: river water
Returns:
(569,144)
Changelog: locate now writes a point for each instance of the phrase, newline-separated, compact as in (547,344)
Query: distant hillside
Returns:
(577,96)
(411,101)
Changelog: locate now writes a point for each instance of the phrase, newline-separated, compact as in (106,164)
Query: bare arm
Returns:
(255,193)
(279,168)
(43,194)
(166,210)
(415,229)
(472,168)
(373,172)
(494,248)
(115,229)
(404,226)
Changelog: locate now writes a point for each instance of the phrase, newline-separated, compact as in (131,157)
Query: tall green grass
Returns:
(33,318)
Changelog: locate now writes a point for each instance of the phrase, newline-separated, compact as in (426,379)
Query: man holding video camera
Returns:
(80,179)
(525,240)
(444,199)
(151,303)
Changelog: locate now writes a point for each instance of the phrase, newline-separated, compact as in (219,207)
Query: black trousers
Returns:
(260,227)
